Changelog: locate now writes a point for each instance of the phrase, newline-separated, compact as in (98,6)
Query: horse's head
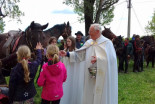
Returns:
(108,33)
(118,44)
(118,41)
(34,33)
(66,30)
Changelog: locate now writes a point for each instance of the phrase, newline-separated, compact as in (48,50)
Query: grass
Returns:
(37,98)
(133,88)
(137,88)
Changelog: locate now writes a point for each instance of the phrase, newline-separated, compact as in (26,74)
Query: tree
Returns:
(9,8)
(150,28)
(93,11)
(2,24)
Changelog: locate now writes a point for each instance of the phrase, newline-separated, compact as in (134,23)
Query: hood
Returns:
(55,69)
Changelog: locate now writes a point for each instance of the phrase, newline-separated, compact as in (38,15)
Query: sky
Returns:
(55,12)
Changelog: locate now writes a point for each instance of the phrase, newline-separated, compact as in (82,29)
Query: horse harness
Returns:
(11,41)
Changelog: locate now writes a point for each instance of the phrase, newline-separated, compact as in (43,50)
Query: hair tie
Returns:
(25,58)
(53,54)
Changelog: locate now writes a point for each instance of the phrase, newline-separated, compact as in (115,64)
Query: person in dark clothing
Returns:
(127,53)
(142,55)
(137,54)
(79,41)
(21,84)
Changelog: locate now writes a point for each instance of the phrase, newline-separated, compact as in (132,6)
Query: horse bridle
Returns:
(65,33)
(28,40)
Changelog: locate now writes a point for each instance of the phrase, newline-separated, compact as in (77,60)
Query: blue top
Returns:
(79,44)
(18,89)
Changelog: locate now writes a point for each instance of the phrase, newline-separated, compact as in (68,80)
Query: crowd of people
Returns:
(131,50)
(78,73)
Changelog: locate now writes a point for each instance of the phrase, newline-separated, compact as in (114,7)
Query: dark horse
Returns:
(9,42)
(58,30)
(149,49)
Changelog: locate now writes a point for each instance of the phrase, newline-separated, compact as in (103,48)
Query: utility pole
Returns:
(129,18)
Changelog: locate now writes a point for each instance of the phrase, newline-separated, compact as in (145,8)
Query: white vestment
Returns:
(87,90)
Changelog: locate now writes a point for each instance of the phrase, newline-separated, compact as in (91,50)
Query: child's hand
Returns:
(39,46)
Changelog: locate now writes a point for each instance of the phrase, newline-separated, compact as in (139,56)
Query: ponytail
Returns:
(55,58)
(26,70)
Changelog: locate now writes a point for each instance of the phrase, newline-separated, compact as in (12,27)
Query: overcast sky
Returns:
(54,12)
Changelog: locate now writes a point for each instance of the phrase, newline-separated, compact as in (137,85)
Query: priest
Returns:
(95,79)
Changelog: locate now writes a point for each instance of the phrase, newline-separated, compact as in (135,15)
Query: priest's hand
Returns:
(93,59)
(62,53)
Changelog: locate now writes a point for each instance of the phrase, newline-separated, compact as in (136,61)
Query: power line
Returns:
(120,21)
(145,1)
(137,19)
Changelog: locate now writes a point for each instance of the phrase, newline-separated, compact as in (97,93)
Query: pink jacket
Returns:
(52,78)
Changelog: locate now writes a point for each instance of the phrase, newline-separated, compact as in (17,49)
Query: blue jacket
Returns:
(18,89)
(79,44)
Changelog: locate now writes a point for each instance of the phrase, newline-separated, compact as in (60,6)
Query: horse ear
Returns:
(44,26)
(68,23)
(64,23)
(104,27)
(32,25)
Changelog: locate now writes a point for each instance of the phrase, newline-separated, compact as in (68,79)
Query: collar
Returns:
(99,40)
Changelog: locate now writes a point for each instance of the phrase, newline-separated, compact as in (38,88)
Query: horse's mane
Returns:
(58,26)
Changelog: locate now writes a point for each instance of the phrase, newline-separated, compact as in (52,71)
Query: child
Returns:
(52,77)
(70,44)
(21,84)
(69,84)
(53,40)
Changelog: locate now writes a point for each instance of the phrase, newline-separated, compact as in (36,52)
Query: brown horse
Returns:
(57,31)
(117,40)
(108,33)
(32,35)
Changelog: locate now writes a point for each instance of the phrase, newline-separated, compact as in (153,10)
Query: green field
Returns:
(137,88)
(133,88)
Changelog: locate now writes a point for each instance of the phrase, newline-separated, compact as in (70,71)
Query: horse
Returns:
(57,31)
(149,49)
(118,45)
(117,40)
(108,33)
(9,42)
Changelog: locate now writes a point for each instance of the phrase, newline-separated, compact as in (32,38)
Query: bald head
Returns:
(95,31)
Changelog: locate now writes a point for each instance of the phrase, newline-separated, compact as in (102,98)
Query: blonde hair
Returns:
(53,51)
(23,54)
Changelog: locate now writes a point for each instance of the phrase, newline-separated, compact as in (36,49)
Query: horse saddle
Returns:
(12,36)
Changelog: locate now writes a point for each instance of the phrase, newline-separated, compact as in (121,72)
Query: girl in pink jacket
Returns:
(52,76)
